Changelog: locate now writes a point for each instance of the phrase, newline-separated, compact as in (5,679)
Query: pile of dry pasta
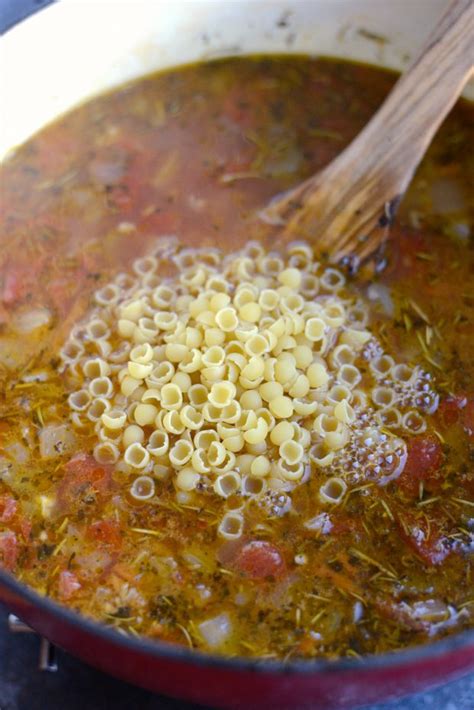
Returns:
(238,376)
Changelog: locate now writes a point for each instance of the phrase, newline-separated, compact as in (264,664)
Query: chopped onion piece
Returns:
(431,610)
(216,631)
(381,293)
(30,320)
(321,523)
(55,440)
(17,452)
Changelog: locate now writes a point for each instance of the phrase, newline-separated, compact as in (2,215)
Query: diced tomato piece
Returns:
(68,585)
(84,468)
(427,541)
(424,459)
(449,410)
(12,288)
(8,508)
(83,476)
(105,531)
(9,513)
(259,559)
(9,550)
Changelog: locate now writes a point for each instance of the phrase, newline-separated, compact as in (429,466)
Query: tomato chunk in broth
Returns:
(212,437)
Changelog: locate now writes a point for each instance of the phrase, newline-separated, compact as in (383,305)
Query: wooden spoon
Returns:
(347,207)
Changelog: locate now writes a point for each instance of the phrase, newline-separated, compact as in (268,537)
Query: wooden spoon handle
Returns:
(406,123)
(346,206)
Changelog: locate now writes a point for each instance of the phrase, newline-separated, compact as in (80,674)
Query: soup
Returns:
(213,437)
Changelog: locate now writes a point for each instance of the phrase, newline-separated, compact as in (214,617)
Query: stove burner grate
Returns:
(47,659)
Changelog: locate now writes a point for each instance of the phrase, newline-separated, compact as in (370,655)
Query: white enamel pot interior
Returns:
(76,49)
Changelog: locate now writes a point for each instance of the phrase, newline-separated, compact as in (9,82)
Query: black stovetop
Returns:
(76,686)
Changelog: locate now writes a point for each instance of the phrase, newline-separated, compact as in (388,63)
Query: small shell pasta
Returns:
(240,376)
(231,526)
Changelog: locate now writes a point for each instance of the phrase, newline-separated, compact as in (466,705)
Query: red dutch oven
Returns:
(240,683)
(101,45)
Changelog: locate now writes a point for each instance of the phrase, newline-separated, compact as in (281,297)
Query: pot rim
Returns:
(162,650)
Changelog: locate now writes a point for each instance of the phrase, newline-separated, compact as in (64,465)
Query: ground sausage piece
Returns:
(259,559)
(425,456)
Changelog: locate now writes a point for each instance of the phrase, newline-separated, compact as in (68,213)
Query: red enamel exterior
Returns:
(231,683)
